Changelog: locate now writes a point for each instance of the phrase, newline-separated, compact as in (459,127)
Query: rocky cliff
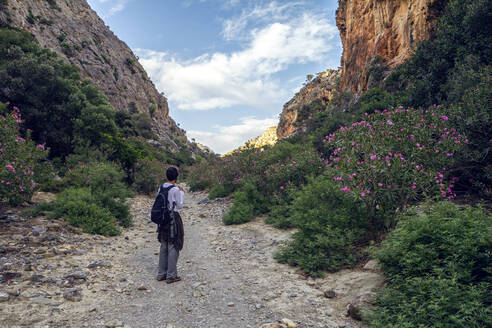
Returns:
(321,88)
(77,34)
(381,33)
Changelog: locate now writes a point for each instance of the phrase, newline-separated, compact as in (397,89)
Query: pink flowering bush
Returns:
(20,160)
(395,157)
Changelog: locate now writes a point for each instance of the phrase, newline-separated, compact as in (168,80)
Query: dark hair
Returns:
(172,173)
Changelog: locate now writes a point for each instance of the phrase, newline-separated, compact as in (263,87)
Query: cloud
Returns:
(245,77)
(111,7)
(235,28)
(227,138)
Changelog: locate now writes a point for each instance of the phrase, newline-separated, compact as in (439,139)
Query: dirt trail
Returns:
(229,280)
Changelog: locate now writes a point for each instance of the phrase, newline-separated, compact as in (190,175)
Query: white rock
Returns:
(4,297)
(289,323)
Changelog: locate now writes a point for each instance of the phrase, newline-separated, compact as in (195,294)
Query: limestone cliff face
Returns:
(321,88)
(387,30)
(73,30)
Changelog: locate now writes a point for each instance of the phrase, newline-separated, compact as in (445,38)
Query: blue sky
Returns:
(227,66)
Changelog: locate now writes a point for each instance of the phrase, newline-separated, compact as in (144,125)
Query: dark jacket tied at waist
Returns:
(165,233)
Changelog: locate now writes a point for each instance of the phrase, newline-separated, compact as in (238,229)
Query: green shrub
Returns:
(248,203)
(81,208)
(105,180)
(220,191)
(149,175)
(438,265)
(330,225)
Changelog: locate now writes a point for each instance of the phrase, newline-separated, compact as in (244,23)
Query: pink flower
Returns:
(380,184)
(444,118)
(373,157)
(282,188)
(388,186)
(345,189)
(389,122)
(414,187)
(337,178)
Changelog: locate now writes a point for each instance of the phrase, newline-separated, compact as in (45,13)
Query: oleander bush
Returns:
(396,157)
(23,165)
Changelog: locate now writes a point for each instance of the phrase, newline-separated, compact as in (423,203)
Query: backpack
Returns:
(160,214)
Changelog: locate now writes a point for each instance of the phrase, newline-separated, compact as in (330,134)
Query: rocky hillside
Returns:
(381,33)
(321,88)
(268,138)
(77,34)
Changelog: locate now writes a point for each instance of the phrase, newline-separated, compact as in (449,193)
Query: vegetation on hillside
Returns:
(345,183)
(57,124)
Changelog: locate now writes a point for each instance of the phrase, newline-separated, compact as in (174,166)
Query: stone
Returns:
(289,323)
(230,304)
(273,325)
(142,287)
(204,201)
(355,307)
(371,265)
(79,274)
(114,324)
(99,264)
(73,295)
(330,293)
(4,297)
(37,230)
(11,275)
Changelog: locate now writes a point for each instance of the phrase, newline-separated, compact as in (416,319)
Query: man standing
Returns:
(171,236)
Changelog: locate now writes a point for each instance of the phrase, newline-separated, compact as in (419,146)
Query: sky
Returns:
(227,67)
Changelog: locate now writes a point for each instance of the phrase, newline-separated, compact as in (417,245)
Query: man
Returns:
(171,241)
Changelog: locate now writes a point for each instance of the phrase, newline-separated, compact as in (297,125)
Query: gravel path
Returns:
(229,277)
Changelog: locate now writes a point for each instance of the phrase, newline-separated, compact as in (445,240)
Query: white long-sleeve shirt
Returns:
(174,195)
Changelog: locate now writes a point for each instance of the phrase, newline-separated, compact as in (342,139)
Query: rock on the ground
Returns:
(114,324)
(72,294)
(79,274)
(354,308)
(99,264)
(4,297)
(330,293)
(289,323)
(371,265)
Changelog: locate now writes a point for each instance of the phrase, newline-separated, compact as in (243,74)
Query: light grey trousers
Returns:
(168,260)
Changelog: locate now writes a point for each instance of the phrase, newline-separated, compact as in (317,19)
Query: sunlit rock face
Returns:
(385,30)
(322,88)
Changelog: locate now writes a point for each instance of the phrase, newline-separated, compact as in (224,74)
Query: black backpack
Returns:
(160,214)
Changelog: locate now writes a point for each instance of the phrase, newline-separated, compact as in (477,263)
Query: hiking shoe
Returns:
(171,280)
(160,278)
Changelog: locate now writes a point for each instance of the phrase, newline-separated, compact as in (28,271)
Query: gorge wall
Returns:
(383,30)
(375,34)
(74,31)
(323,87)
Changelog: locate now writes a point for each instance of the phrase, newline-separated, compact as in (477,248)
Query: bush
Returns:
(248,203)
(149,175)
(395,157)
(20,160)
(81,208)
(437,262)
(220,191)
(105,181)
(331,228)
